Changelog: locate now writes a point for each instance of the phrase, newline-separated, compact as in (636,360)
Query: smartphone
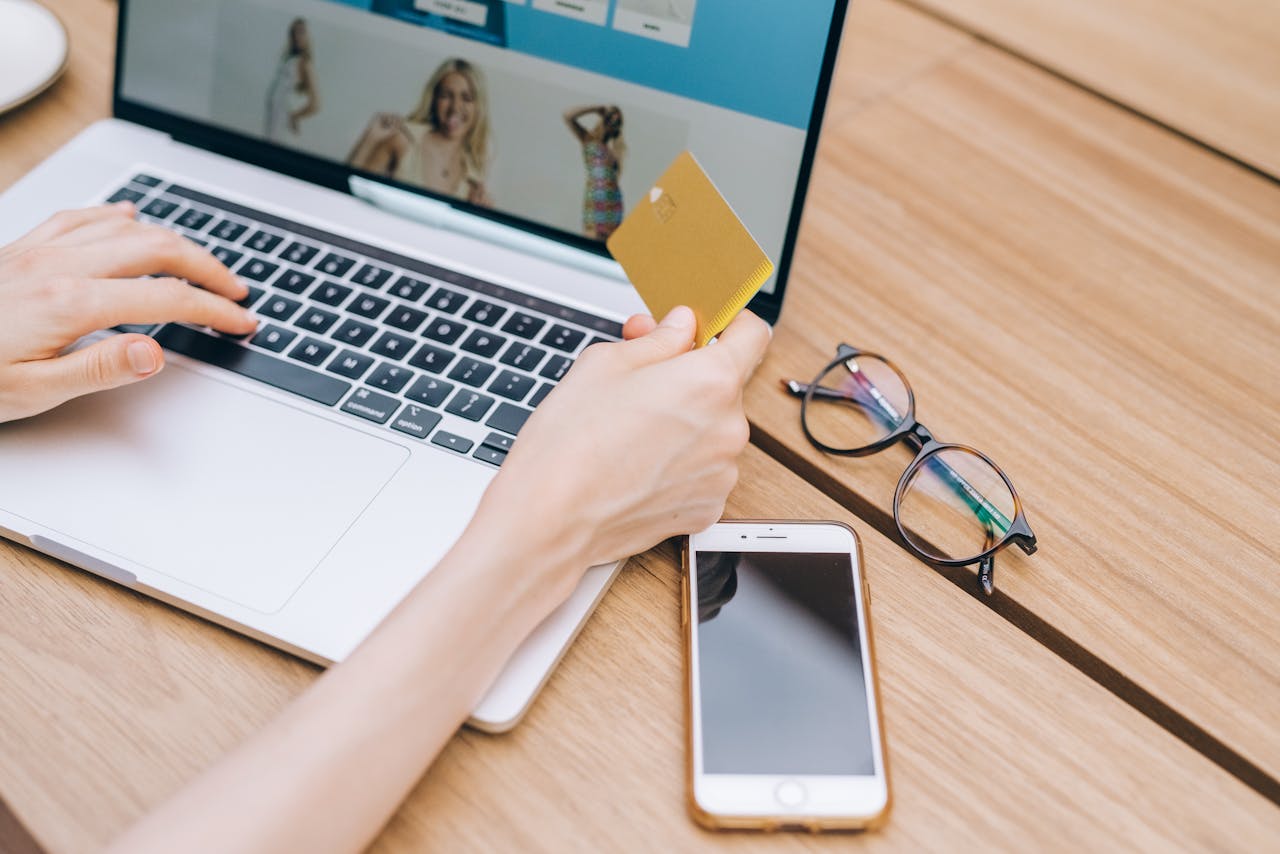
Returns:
(782,705)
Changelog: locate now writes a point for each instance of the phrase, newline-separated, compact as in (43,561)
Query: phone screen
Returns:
(780,665)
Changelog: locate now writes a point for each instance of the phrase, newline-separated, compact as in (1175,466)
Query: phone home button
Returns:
(790,793)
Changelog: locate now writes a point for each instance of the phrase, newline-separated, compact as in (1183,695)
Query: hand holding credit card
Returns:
(683,245)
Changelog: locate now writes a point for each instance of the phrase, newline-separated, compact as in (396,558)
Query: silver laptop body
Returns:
(300,522)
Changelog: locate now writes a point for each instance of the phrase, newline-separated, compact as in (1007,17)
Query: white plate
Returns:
(33,51)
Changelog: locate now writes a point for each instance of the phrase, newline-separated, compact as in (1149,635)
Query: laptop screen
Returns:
(558,114)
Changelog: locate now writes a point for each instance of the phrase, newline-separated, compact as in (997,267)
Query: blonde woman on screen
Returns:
(294,78)
(442,145)
(603,151)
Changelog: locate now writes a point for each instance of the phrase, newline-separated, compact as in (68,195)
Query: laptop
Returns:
(417,193)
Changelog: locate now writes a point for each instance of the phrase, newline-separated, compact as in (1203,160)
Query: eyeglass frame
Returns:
(920,439)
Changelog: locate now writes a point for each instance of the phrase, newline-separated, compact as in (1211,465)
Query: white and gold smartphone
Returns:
(782,705)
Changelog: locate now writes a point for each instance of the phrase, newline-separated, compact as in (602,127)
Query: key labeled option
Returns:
(416,421)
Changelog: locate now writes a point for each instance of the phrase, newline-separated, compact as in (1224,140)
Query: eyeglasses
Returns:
(952,506)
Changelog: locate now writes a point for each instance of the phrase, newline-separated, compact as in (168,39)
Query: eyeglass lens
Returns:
(955,505)
(856,403)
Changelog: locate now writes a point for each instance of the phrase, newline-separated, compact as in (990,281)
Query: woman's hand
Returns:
(81,271)
(478,194)
(384,127)
(637,444)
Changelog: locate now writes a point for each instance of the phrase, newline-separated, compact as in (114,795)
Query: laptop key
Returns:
(300,253)
(316,320)
(489,455)
(371,276)
(257,269)
(354,332)
(498,441)
(293,281)
(193,219)
(146,180)
(524,325)
(273,338)
(541,394)
(255,365)
(471,405)
(403,317)
(452,442)
(371,405)
(311,351)
(523,356)
(160,208)
(136,328)
(228,257)
(228,230)
(556,367)
(351,364)
(335,264)
(392,346)
(509,418)
(483,343)
(263,241)
(473,372)
(512,386)
(563,338)
(125,194)
(444,330)
(484,313)
(390,377)
(446,300)
(408,288)
(279,308)
(415,421)
(253,296)
(429,391)
(331,293)
(431,358)
(367,306)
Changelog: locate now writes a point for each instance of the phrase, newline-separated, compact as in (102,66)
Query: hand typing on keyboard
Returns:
(82,271)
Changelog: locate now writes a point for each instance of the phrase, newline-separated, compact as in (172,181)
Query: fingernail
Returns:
(142,358)
(248,317)
(681,316)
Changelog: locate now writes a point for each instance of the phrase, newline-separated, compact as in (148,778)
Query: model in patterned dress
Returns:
(603,151)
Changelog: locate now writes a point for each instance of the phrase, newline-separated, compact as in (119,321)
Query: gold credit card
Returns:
(683,245)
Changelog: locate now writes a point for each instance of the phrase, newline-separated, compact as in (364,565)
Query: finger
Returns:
(744,341)
(638,325)
(670,338)
(146,249)
(67,221)
(103,303)
(113,362)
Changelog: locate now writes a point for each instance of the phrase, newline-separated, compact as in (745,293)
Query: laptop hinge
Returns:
(443,215)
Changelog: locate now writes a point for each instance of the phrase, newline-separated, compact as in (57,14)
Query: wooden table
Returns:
(1079,275)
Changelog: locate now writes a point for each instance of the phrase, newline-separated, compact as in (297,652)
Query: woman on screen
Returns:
(602,151)
(294,79)
(442,145)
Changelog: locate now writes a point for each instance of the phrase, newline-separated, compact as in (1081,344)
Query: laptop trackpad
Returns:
(191,477)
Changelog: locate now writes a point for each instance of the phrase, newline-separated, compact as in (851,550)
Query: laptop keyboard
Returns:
(428,352)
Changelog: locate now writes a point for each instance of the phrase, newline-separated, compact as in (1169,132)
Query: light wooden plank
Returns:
(35,130)
(1210,68)
(112,700)
(1094,303)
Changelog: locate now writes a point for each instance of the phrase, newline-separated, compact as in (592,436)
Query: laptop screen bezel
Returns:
(335,175)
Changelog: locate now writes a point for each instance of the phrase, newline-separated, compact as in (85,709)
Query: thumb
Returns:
(670,338)
(115,361)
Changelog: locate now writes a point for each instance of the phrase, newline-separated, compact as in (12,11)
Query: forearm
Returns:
(330,770)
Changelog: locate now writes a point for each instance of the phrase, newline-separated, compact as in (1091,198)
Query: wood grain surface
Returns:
(113,700)
(1208,68)
(1078,292)
(1094,303)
